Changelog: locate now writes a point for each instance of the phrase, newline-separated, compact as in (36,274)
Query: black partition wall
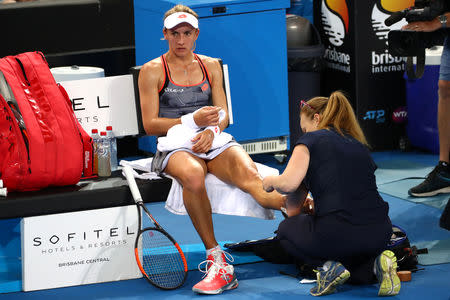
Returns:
(72,32)
(358,62)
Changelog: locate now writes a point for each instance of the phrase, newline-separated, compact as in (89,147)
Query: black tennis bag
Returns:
(407,255)
(271,250)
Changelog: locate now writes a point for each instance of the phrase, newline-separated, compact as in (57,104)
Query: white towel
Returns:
(225,198)
(180,136)
(143,165)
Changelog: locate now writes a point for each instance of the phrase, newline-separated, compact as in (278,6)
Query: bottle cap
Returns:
(94,131)
(103,133)
(3,192)
(108,127)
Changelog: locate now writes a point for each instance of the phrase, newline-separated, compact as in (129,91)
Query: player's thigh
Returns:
(234,166)
(188,169)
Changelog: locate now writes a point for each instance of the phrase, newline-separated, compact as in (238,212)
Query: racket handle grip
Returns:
(132,184)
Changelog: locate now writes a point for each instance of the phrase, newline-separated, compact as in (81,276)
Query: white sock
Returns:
(208,251)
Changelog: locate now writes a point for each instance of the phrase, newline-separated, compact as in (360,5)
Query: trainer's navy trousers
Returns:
(314,240)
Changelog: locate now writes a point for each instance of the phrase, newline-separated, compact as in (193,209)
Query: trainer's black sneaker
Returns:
(438,181)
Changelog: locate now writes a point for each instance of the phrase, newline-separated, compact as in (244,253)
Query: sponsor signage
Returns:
(400,114)
(79,248)
(100,102)
(359,63)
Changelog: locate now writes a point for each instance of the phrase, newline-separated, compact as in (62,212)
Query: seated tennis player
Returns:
(181,87)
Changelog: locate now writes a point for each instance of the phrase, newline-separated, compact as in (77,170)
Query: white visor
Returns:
(178,18)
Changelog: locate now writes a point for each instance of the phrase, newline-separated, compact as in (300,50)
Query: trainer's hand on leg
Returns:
(268,184)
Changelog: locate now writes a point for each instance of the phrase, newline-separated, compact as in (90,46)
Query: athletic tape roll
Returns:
(404,275)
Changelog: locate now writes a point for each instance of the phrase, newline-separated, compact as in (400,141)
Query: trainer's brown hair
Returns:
(335,111)
(180,8)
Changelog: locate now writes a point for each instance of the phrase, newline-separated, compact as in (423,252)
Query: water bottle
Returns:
(104,156)
(113,141)
(95,139)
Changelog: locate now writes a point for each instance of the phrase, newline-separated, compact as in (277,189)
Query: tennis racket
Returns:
(158,255)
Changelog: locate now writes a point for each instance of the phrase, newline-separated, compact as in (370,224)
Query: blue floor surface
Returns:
(262,280)
(398,172)
(256,281)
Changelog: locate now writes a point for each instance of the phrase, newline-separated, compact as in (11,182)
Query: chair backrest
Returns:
(135,72)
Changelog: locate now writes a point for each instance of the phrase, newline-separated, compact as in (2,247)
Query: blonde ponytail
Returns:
(335,111)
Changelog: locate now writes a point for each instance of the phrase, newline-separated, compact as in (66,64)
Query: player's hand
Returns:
(207,116)
(203,141)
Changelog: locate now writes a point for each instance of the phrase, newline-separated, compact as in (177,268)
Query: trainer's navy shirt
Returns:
(341,178)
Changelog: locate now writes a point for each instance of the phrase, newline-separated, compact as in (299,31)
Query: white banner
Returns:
(100,102)
(79,248)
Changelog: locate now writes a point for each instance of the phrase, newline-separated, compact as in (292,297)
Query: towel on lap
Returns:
(225,198)
(180,136)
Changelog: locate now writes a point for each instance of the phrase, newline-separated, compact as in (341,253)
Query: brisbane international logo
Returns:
(382,10)
(382,61)
(335,20)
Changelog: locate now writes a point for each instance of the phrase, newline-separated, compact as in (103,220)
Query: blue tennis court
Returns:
(263,280)
(129,66)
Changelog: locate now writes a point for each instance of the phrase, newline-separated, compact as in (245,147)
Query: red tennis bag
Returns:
(41,142)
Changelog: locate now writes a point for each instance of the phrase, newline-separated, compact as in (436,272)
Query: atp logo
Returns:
(379,116)
(382,10)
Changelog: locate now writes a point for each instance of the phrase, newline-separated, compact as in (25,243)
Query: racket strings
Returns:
(161,260)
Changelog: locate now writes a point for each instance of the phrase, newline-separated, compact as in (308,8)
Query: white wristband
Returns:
(1,183)
(3,192)
(188,120)
(214,129)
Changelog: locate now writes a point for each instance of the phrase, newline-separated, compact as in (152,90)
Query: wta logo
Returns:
(400,115)
(382,10)
(335,20)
